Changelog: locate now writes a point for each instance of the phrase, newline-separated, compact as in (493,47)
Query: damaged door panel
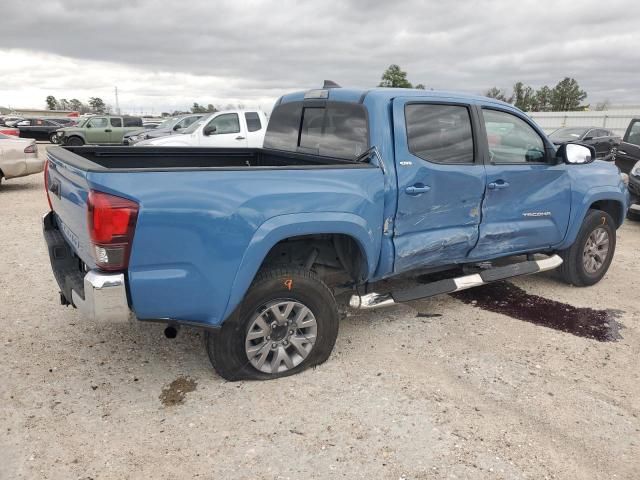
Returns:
(441,183)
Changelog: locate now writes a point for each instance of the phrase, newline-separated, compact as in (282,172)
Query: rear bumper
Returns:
(98,295)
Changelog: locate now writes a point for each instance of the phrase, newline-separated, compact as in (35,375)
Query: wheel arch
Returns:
(296,226)
(600,198)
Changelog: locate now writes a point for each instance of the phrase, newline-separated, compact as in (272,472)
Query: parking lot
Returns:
(440,388)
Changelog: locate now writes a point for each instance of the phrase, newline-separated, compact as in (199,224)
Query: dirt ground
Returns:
(435,389)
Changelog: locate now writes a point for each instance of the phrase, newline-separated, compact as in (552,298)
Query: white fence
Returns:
(615,120)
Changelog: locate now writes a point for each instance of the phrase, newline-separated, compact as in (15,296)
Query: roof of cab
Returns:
(387,94)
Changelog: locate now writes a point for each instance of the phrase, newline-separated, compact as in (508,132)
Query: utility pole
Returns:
(117,104)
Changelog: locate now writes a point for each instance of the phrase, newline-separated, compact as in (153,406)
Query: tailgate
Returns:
(68,190)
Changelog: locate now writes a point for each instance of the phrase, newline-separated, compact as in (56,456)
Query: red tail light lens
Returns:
(46,183)
(111,222)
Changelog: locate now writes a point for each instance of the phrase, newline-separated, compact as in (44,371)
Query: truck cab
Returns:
(225,129)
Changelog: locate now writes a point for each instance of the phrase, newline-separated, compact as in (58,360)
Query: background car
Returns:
(604,141)
(169,127)
(18,157)
(38,129)
(10,121)
(99,130)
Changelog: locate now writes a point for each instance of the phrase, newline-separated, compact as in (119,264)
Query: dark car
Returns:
(628,152)
(169,127)
(38,129)
(603,140)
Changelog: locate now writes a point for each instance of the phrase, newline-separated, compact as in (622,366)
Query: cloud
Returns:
(160,53)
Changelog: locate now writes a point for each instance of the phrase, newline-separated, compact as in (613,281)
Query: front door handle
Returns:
(498,185)
(417,189)
(239,137)
(108,130)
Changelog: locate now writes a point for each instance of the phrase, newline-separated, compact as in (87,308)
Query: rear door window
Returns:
(132,121)
(253,121)
(116,122)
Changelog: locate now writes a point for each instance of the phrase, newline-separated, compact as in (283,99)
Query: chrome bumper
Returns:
(105,297)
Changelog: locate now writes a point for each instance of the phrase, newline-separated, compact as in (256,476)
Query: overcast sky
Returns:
(164,55)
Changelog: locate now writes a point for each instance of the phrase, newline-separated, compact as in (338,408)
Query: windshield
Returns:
(633,135)
(81,122)
(567,134)
(195,125)
(166,123)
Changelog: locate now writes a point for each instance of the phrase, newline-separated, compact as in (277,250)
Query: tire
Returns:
(581,267)
(276,290)
(53,138)
(75,142)
(633,216)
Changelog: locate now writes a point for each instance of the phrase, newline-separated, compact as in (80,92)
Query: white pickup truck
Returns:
(226,129)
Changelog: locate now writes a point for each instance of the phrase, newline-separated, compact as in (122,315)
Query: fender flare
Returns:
(282,227)
(579,212)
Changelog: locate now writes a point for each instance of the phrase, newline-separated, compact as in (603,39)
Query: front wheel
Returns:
(287,322)
(589,258)
(75,142)
(53,138)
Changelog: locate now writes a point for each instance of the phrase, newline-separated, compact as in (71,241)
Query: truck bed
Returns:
(101,158)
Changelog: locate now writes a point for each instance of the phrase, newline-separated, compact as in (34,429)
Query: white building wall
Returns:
(616,120)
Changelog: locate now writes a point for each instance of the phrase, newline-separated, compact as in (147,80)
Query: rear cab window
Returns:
(326,128)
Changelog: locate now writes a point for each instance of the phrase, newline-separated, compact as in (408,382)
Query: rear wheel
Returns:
(287,322)
(75,142)
(53,138)
(589,258)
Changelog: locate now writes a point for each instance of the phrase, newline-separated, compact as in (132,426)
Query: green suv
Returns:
(98,129)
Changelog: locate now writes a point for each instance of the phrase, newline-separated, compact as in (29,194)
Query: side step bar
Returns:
(450,285)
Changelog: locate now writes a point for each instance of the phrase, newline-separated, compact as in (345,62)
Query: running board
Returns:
(450,285)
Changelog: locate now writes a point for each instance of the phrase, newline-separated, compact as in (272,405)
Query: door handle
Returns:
(417,189)
(108,130)
(498,185)
(239,137)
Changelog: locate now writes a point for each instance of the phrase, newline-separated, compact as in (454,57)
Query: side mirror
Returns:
(209,130)
(576,154)
(89,126)
(176,128)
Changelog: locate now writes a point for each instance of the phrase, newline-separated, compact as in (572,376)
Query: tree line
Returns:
(564,97)
(94,105)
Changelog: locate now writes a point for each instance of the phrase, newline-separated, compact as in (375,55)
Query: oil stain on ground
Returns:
(508,299)
(175,393)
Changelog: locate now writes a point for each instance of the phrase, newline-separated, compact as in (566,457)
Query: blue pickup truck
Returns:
(351,187)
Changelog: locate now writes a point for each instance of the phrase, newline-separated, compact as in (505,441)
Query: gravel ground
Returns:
(439,388)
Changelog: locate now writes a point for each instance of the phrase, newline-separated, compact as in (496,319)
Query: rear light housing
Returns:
(46,182)
(33,148)
(112,223)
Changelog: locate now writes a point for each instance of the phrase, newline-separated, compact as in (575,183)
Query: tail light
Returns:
(33,148)
(46,183)
(112,222)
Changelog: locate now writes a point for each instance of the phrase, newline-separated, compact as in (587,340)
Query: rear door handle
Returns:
(108,130)
(498,185)
(239,137)
(417,189)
